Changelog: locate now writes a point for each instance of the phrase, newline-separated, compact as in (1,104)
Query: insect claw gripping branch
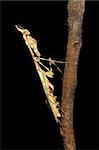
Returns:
(43,71)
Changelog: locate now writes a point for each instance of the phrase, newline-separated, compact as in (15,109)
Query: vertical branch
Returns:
(75,19)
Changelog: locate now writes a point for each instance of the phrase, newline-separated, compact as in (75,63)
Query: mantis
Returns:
(44,72)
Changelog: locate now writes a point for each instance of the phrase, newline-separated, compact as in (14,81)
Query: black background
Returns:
(27,122)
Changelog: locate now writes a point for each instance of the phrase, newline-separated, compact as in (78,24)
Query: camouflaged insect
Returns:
(44,72)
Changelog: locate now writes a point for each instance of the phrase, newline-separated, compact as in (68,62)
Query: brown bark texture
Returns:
(75,18)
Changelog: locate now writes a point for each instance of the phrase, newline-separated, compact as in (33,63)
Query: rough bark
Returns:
(75,18)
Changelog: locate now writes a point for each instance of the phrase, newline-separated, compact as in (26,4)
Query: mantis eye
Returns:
(19,26)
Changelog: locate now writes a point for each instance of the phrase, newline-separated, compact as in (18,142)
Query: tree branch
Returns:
(75,18)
